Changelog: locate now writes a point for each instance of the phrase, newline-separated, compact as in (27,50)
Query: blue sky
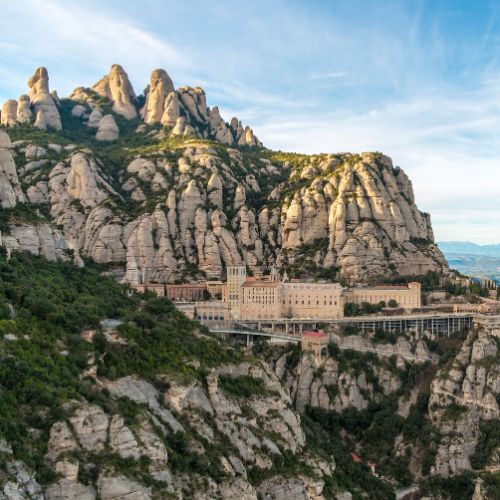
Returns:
(418,80)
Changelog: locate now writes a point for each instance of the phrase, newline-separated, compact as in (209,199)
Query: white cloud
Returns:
(446,143)
(79,42)
(385,77)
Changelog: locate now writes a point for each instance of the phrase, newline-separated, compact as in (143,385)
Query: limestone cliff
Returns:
(171,188)
(464,400)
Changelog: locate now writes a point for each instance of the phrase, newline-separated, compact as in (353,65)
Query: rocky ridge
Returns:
(464,398)
(265,427)
(169,189)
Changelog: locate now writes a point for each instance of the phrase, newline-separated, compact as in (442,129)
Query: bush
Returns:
(243,386)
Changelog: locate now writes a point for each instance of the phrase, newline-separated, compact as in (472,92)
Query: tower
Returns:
(236,276)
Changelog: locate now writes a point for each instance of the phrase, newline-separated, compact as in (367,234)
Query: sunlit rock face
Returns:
(161,182)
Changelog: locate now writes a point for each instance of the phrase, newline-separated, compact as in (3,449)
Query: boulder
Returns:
(108,129)
(95,118)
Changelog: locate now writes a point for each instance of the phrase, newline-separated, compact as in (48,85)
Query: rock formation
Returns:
(211,204)
(74,446)
(10,189)
(108,129)
(43,103)
(24,113)
(160,87)
(465,394)
(9,113)
(118,89)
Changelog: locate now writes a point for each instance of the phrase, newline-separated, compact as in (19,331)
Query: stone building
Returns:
(186,291)
(156,288)
(261,299)
(212,311)
(406,296)
(315,342)
(312,300)
(273,297)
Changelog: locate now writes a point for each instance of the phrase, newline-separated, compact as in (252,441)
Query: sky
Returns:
(418,80)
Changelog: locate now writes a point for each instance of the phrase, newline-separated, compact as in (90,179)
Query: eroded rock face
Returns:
(66,489)
(463,395)
(256,429)
(160,86)
(118,89)
(9,113)
(21,485)
(328,384)
(24,114)
(9,183)
(115,487)
(90,425)
(279,488)
(43,103)
(368,215)
(211,207)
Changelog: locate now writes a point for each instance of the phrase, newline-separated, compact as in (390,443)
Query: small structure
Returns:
(316,342)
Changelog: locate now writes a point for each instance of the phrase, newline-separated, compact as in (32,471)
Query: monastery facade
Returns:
(277,297)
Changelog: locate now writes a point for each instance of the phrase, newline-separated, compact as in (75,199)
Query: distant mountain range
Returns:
(481,261)
(467,247)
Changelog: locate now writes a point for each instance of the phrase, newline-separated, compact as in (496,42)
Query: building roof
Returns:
(258,284)
(312,334)
(386,287)
(186,285)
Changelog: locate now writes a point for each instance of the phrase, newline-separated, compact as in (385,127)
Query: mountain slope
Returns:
(150,406)
(160,186)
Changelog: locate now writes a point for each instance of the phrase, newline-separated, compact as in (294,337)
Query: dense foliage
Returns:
(44,306)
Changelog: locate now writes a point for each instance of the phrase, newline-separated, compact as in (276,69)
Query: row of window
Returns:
(325,303)
(209,317)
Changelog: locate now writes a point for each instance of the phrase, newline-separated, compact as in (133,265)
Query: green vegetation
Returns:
(373,431)
(459,487)
(323,431)
(21,213)
(52,304)
(42,353)
(382,337)
(301,261)
(352,309)
(243,386)
(488,443)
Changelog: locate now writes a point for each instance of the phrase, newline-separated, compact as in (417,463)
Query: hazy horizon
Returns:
(418,81)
